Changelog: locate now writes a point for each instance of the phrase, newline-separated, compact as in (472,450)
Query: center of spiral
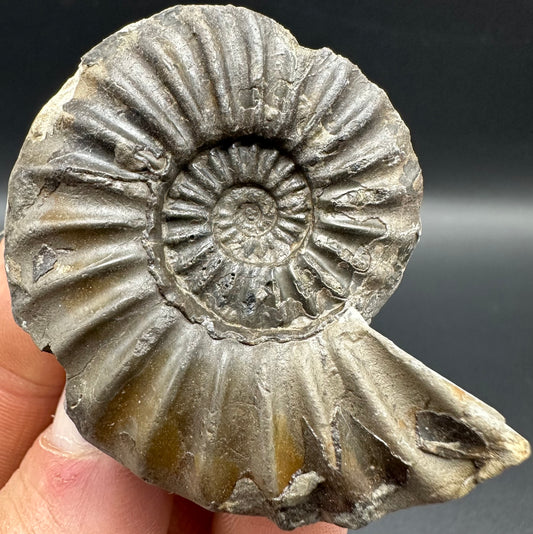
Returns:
(234,225)
(249,209)
(242,219)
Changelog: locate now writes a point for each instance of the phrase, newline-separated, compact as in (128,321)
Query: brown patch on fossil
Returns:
(288,456)
(223,475)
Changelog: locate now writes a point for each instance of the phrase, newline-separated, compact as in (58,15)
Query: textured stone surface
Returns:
(201,223)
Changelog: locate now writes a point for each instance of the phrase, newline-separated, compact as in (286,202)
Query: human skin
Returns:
(52,481)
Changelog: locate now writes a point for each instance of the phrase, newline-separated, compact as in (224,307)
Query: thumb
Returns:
(65,485)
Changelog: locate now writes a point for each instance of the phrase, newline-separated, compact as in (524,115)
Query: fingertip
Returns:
(189,518)
(66,485)
(63,435)
(18,353)
(242,524)
(30,384)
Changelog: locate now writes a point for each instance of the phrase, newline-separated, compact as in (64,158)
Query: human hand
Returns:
(53,482)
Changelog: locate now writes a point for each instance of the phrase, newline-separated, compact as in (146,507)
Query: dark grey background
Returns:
(461,75)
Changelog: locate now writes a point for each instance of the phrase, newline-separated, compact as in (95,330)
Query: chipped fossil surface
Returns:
(201,224)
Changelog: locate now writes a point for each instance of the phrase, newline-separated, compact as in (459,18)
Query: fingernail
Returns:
(64,435)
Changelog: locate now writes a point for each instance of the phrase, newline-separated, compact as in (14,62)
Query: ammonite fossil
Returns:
(201,223)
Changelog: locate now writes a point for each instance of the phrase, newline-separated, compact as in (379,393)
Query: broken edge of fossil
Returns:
(342,428)
(406,435)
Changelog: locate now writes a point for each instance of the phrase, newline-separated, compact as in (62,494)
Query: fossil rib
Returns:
(201,223)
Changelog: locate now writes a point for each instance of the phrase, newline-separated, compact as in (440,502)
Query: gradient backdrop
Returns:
(461,75)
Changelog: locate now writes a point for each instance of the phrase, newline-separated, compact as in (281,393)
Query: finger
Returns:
(242,524)
(30,384)
(66,486)
(189,518)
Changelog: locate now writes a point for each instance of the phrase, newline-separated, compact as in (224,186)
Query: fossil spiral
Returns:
(201,223)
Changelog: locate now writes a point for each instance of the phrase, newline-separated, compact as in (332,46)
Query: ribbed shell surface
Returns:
(198,223)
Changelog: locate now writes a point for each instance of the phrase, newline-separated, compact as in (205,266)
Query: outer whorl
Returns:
(199,223)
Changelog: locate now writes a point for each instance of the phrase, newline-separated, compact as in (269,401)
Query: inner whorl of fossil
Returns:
(243,245)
